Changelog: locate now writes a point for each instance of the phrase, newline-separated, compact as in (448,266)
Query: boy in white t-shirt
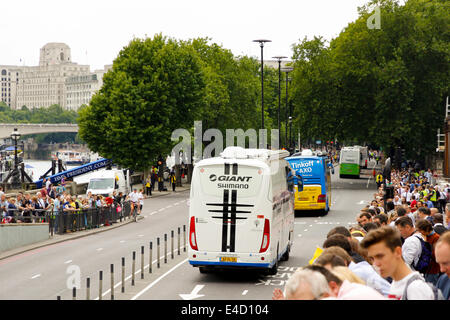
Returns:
(384,247)
(141,200)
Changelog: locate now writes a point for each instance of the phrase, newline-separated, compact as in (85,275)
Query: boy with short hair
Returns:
(384,247)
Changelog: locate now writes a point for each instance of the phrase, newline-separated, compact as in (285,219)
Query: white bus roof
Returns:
(239,153)
(263,154)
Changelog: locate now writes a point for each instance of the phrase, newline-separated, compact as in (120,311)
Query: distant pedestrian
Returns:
(141,200)
(173,180)
(153,179)
(148,186)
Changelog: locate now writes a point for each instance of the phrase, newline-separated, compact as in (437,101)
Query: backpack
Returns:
(425,257)
(437,293)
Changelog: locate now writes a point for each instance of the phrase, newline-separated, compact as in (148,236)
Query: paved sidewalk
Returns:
(57,238)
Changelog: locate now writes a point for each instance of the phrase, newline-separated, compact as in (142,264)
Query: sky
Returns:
(96,30)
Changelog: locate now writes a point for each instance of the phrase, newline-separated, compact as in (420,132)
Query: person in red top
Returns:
(413,204)
(426,229)
(109,201)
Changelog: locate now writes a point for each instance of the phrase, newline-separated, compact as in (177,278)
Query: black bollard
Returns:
(171,244)
(150,258)
(133,268)
(184,242)
(142,262)
(112,281)
(88,289)
(157,251)
(100,285)
(178,240)
(123,274)
(165,247)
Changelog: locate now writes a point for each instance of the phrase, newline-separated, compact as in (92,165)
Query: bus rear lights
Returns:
(322,198)
(266,237)
(192,235)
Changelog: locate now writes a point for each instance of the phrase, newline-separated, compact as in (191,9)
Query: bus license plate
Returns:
(303,198)
(228,259)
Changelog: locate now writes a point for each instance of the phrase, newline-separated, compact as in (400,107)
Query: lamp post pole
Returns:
(279,92)
(261,44)
(287,70)
(15,174)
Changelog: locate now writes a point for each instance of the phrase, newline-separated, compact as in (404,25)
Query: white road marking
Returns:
(162,209)
(122,241)
(138,272)
(68,261)
(244,292)
(157,280)
(99,249)
(194,294)
(36,276)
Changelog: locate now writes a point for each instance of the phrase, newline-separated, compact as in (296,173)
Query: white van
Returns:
(104,182)
(241,212)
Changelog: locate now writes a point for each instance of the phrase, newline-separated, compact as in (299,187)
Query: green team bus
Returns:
(349,162)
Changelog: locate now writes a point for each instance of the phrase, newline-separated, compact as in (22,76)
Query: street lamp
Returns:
(287,70)
(15,135)
(290,129)
(261,44)
(279,92)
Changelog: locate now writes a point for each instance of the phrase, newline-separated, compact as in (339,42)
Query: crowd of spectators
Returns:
(53,200)
(399,248)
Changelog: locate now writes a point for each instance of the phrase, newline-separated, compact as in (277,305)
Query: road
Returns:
(51,271)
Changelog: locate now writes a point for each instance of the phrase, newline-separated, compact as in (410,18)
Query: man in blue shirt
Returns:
(428,203)
(442,252)
(56,210)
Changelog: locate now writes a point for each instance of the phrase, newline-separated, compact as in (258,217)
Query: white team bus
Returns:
(349,162)
(241,212)
(364,156)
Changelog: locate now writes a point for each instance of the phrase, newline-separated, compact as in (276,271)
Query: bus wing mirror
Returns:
(299,183)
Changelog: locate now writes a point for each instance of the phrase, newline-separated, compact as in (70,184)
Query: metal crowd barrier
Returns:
(73,220)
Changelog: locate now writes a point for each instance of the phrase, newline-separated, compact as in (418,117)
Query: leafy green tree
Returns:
(385,86)
(156,86)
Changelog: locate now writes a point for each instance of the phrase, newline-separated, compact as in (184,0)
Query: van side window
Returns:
(289,179)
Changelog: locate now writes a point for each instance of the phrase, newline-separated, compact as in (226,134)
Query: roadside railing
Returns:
(72,220)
